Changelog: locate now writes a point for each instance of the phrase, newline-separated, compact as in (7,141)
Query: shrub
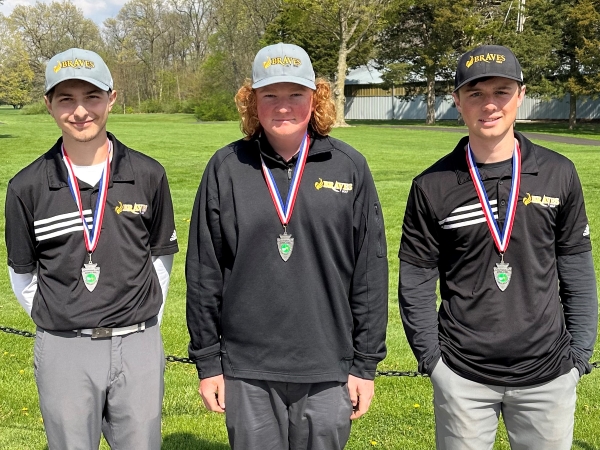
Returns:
(35,108)
(189,106)
(151,107)
(216,107)
(172,107)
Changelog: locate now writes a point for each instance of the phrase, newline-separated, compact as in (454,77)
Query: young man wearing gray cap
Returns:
(90,236)
(286,268)
(501,221)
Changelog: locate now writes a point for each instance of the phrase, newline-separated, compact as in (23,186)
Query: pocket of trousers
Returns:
(38,350)
(436,370)
(575,374)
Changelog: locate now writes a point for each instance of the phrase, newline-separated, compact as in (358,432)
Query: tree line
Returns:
(192,55)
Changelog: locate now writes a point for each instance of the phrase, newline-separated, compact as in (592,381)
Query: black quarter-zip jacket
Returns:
(316,317)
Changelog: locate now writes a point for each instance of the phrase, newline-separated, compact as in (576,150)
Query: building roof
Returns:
(364,75)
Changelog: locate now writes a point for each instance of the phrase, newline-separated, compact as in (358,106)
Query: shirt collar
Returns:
(318,144)
(121,169)
(529,162)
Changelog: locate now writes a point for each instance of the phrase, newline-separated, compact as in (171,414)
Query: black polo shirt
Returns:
(44,234)
(515,337)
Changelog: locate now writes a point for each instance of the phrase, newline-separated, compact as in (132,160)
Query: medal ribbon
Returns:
(501,238)
(90,238)
(284,211)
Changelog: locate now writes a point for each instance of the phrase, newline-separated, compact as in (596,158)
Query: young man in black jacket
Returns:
(286,268)
(502,223)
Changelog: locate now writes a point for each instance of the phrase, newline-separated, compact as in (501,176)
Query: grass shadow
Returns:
(578,444)
(182,441)
(6,136)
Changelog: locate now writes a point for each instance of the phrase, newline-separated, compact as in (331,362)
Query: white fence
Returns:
(388,108)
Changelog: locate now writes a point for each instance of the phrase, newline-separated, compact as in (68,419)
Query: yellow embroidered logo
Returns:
(334,186)
(487,58)
(285,61)
(75,64)
(545,201)
(136,208)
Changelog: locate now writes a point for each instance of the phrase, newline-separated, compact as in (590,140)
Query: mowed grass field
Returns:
(401,416)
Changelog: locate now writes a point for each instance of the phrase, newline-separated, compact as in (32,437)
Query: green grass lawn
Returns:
(401,416)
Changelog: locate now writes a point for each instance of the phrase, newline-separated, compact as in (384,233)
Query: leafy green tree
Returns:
(534,45)
(423,41)
(554,48)
(589,52)
(50,28)
(335,33)
(294,26)
(16,76)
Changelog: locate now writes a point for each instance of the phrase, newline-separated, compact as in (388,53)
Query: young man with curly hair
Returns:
(286,268)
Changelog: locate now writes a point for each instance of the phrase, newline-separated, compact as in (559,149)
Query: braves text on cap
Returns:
(78,64)
(487,61)
(282,63)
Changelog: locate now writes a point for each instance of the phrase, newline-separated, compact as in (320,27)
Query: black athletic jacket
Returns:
(317,317)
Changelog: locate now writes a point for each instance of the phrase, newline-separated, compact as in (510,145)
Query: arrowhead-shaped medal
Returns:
(90,274)
(285,245)
(502,274)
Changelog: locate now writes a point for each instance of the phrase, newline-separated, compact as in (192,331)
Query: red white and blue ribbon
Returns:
(90,237)
(501,237)
(284,211)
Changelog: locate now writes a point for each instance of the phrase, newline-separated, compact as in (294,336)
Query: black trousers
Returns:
(269,415)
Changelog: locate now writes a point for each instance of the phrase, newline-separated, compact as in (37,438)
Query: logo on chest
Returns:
(136,208)
(335,186)
(545,201)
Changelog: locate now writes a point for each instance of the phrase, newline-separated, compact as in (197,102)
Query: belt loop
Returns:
(78,333)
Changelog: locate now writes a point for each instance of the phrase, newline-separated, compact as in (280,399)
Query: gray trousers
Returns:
(111,385)
(268,415)
(536,417)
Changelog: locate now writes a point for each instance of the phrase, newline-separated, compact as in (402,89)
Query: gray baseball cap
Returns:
(78,64)
(282,63)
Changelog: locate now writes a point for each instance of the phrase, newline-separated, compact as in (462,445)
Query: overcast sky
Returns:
(97,10)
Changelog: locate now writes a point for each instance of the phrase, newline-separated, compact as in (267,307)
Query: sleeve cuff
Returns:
(208,363)
(364,368)
(428,365)
(581,363)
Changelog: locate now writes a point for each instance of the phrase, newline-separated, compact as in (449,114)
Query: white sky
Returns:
(97,10)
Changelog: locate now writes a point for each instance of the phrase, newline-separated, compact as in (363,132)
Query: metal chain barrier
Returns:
(17,332)
(178,359)
(171,358)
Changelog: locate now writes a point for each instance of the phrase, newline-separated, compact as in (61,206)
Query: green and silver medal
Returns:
(502,271)
(90,272)
(285,241)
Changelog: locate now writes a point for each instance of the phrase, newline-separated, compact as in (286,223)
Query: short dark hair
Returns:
(50,93)
(484,79)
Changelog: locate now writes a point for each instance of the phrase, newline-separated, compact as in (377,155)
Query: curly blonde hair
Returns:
(321,119)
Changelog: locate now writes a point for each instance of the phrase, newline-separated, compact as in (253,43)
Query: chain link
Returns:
(17,332)
(172,358)
(396,373)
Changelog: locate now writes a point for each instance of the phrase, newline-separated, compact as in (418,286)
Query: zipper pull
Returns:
(289,173)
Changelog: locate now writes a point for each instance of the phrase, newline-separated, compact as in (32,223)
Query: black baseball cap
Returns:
(487,61)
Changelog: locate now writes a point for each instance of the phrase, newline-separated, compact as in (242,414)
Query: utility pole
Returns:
(520,16)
